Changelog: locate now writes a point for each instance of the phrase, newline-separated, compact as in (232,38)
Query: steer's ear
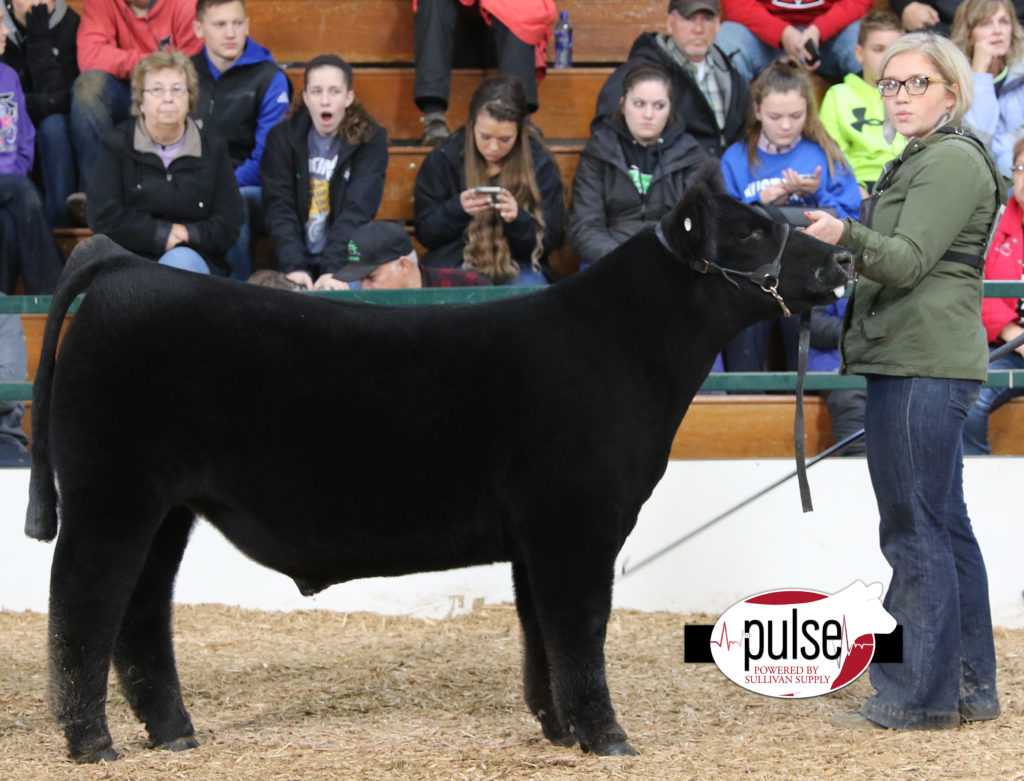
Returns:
(690,228)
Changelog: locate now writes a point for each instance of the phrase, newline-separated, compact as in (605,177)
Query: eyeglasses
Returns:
(915,85)
(175,91)
(1018,169)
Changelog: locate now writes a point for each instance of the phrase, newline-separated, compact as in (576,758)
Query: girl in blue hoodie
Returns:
(787,156)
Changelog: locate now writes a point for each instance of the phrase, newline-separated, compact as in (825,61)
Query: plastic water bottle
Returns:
(563,41)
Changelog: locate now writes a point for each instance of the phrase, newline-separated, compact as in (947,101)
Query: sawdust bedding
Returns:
(323,695)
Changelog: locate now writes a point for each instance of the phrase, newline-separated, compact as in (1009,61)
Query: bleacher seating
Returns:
(376,36)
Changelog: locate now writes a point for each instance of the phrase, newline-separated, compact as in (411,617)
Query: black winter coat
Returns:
(688,101)
(136,199)
(607,208)
(441,221)
(45,60)
(356,190)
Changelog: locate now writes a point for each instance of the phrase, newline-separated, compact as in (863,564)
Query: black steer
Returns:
(331,441)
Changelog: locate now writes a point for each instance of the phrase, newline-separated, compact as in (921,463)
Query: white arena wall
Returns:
(768,544)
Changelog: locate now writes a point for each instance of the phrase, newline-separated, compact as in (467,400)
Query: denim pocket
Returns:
(963,393)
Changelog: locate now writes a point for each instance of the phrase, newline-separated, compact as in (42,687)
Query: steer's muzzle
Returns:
(844,260)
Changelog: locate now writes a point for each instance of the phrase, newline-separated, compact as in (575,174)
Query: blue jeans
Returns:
(13,368)
(239,257)
(184,258)
(939,587)
(752,54)
(55,161)
(98,102)
(27,246)
(976,425)
(528,276)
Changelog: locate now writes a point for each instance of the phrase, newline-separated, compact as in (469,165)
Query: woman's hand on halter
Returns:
(824,227)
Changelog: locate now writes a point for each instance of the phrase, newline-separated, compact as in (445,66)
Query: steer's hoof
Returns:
(103,755)
(180,744)
(618,749)
(612,746)
(565,741)
(553,730)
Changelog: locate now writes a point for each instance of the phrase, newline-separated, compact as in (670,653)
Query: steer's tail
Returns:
(92,257)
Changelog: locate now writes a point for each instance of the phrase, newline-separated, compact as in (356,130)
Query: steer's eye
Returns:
(750,234)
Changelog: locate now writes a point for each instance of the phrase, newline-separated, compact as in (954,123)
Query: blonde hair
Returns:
(786,75)
(949,61)
(971,13)
(159,61)
(502,98)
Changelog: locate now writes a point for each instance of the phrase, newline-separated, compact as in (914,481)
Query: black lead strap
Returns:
(767,278)
(838,446)
(803,351)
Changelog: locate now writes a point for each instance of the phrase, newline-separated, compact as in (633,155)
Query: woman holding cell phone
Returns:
(489,199)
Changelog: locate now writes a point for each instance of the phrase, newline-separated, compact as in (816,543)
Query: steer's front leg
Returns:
(572,605)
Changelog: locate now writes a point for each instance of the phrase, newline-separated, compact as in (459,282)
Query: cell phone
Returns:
(488,190)
(812,52)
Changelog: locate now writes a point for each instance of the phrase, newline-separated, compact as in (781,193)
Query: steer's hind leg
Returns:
(572,605)
(144,652)
(536,682)
(96,562)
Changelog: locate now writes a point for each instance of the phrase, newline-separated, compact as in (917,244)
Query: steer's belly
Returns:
(357,545)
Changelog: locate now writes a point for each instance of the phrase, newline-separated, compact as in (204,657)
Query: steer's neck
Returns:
(657,318)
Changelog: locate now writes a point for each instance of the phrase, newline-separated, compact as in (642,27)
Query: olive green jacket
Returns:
(912,314)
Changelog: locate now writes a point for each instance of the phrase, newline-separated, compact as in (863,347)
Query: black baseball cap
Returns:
(688,7)
(373,245)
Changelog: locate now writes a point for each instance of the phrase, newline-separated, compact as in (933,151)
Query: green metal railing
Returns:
(728,381)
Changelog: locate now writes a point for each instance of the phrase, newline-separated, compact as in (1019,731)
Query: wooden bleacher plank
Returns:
(749,426)
(604,30)
(567,99)
(360,31)
(381,31)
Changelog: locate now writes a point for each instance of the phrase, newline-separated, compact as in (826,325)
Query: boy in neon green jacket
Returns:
(852,112)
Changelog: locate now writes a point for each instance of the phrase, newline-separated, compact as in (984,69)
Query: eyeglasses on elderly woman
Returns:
(915,85)
(175,90)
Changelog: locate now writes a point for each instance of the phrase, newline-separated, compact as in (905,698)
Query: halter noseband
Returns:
(765,277)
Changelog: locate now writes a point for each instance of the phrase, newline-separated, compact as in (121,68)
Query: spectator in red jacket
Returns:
(1002,317)
(113,37)
(507,34)
(820,34)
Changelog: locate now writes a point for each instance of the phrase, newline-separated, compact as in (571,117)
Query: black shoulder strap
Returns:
(977,261)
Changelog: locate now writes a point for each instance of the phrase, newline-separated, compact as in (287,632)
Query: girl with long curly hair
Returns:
(507,232)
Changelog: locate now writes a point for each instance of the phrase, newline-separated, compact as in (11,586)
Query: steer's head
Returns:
(715,234)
